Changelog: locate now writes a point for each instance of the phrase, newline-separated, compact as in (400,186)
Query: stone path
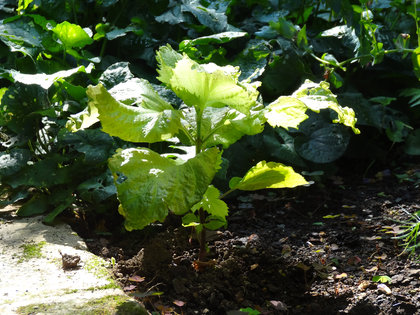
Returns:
(32,278)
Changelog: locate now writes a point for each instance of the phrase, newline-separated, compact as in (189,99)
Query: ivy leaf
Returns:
(289,111)
(205,85)
(152,121)
(150,185)
(268,175)
(72,35)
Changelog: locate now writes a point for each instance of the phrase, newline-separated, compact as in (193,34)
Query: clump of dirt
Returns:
(315,252)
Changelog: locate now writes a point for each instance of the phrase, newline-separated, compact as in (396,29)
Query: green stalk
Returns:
(417,21)
(388,51)
(198,147)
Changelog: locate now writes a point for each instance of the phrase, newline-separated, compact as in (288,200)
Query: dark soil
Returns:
(312,250)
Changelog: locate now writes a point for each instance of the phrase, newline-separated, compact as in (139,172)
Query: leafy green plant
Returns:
(217,110)
(382,279)
(410,231)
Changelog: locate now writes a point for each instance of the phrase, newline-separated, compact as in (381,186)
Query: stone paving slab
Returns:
(33,281)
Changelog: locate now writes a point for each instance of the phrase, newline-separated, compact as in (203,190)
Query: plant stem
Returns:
(226,193)
(202,238)
(341,64)
(417,21)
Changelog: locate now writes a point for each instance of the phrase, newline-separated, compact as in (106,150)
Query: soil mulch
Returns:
(312,250)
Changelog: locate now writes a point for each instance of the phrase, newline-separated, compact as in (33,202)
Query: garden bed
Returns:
(317,250)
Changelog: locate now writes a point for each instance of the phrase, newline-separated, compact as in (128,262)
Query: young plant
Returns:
(217,110)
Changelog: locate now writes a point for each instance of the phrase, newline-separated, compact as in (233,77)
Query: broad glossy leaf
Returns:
(115,74)
(219,38)
(154,120)
(150,185)
(98,188)
(72,35)
(44,173)
(38,204)
(268,175)
(323,145)
(11,162)
(19,107)
(211,203)
(93,143)
(216,21)
(46,80)
(205,85)
(313,96)
(23,35)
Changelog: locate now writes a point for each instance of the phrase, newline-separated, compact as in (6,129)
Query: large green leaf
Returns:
(268,175)
(320,141)
(150,185)
(93,143)
(152,121)
(205,85)
(290,111)
(44,173)
(223,126)
(72,35)
(207,16)
(22,34)
(21,106)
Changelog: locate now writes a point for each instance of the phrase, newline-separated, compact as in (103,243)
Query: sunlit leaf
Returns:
(268,175)
(72,35)
(205,85)
(150,185)
(152,121)
(289,112)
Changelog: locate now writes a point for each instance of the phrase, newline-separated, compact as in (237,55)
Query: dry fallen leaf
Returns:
(341,276)
(130,287)
(136,279)
(254,266)
(363,285)
(384,288)
(179,303)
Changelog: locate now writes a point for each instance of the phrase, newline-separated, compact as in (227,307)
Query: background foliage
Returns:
(51,51)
